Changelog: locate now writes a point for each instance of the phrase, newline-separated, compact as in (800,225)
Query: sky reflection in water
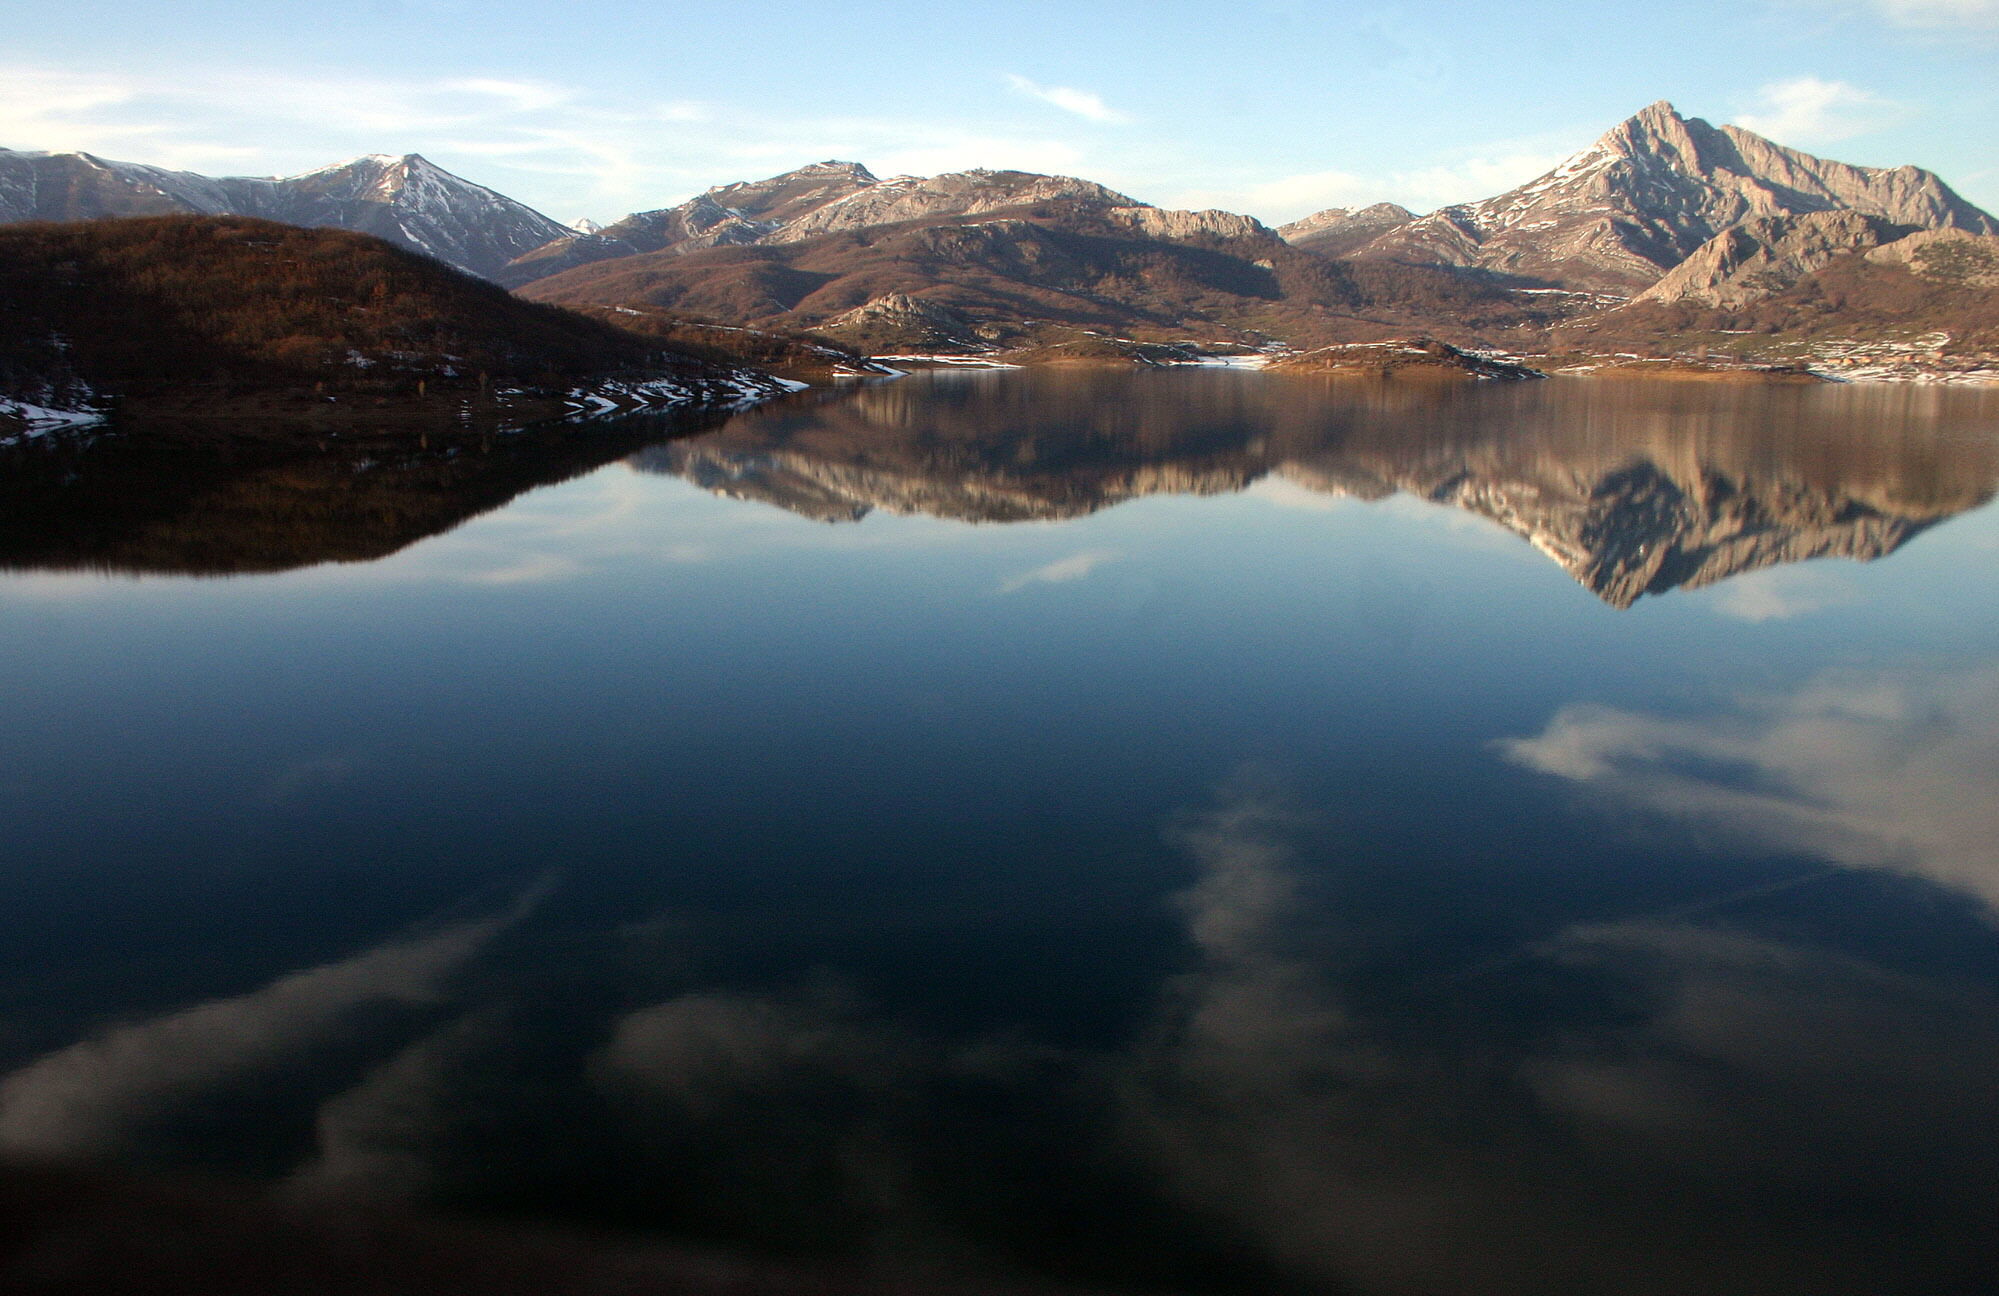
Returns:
(1164,832)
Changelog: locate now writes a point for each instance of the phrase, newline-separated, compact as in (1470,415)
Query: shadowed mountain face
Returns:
(1633,488)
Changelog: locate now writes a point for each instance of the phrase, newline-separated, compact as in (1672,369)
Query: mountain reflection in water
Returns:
(1633,487)
(223,506)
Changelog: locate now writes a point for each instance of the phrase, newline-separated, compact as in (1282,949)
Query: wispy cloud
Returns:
(1809,108)
(534,569)
(1421,189)
(84,1100)
(379,1139)
(1073,568)
(1941,13)
(1779,594)
(562,148)
(520,96)
(1888,771)
(1083,103)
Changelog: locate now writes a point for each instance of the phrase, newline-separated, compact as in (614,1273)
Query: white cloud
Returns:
(1073,568)
(1879,771)
(1778,594)
(1421,189)
(1809,108)
(1083,103)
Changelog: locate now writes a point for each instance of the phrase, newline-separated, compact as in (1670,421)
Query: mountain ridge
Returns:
(405,199)
(1648,193)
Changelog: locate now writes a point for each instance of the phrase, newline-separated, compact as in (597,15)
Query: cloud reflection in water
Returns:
(1893,770)
(1684,1107)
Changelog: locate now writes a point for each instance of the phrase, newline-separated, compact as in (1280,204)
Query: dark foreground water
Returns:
(1173,832)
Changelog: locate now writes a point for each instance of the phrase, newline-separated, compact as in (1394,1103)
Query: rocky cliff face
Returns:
(1767,255)
(729,215)
(1649,193)
(1189,226)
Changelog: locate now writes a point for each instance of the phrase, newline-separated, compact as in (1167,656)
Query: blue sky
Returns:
(1276,108)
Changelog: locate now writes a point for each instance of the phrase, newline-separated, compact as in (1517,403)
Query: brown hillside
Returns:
(1058,263)
(1852,299)
(200,308)
(789,355)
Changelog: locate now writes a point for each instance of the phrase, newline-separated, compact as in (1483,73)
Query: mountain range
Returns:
(405,200)
(1663,209)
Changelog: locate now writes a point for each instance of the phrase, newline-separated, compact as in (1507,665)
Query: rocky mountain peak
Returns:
(1656,120)
(851,170)
(388,177)
(1651,191)
(1337,231)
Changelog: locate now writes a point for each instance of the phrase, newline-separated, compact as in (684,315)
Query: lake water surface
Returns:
(1192,831)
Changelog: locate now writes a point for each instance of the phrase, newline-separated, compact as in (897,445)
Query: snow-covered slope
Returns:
(82,186)
(406,200)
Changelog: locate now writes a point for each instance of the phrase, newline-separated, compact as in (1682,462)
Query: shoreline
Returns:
(310,413)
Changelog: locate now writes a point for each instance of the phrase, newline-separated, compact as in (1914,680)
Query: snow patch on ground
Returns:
(953,361)
(735,389)
(22,420)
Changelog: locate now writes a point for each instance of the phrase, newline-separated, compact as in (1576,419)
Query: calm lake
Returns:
(1182,831)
